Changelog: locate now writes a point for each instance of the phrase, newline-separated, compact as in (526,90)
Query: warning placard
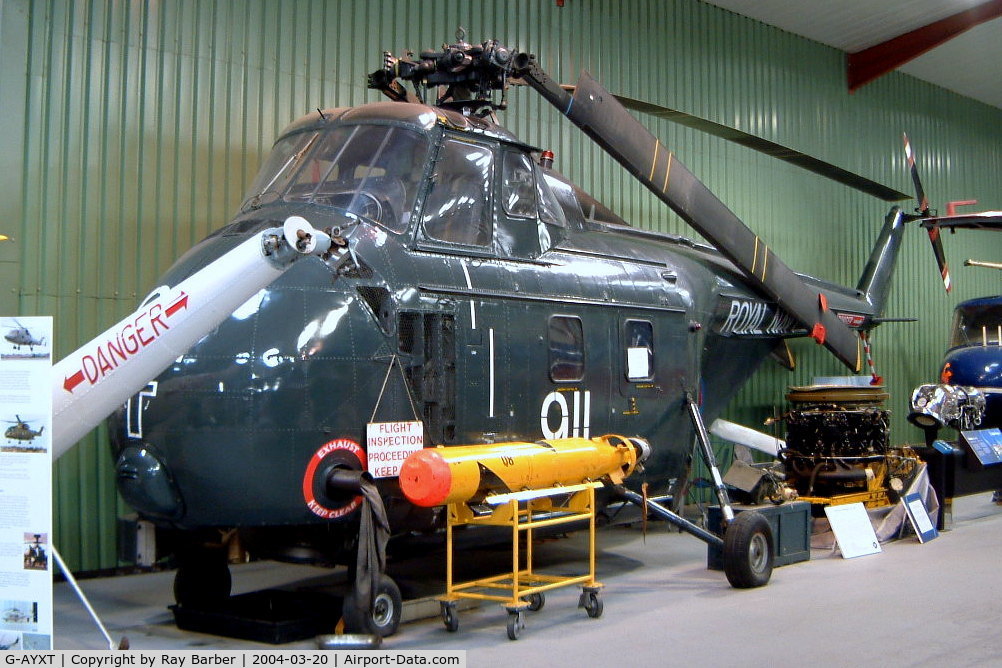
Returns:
(389,443)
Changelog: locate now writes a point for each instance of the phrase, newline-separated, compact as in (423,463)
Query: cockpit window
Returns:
(371,171)
(564,195)
(977,325)
(550,211)
(519,188)
(282,162)
(457,209)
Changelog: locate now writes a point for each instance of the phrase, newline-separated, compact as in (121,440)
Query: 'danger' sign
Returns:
(389,443)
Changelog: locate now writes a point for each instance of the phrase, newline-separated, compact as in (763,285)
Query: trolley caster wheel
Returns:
(592,604)
(449,617)
(536,602)
(516,622)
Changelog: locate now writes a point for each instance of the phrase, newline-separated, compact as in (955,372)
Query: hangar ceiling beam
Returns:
(864,66)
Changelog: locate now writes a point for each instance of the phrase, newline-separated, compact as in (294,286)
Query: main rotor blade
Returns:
(760,144)
(778,151)
(604,119)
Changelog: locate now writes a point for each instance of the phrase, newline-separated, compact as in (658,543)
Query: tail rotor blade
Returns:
(923,201)
(923,209)
(937,248)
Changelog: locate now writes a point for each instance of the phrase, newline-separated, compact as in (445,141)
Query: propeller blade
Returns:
(923,208)
(605,120)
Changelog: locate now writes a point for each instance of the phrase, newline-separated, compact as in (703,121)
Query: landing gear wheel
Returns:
(536,602)
(449,617)
(516,622)
(592,604)
(748,551)
(202,578)
(384,616)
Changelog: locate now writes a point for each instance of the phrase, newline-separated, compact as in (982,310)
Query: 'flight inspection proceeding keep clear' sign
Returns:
(389,443)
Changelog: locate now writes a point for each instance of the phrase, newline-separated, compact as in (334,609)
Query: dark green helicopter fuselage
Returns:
(483,295)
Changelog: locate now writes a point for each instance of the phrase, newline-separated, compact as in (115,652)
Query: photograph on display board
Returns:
(19,615)
(25,434)
(36,556)
(23,340)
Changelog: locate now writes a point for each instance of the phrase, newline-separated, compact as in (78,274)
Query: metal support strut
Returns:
(674,518)
(718,484)
(709,459)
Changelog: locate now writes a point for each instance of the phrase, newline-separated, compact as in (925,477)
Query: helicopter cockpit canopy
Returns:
(977,323)
(370,171)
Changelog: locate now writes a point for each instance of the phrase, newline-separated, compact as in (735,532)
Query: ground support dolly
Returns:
(522,588)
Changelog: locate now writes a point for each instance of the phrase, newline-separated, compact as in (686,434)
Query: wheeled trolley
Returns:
(523,589)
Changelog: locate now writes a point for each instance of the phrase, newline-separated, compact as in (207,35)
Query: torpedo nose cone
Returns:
(425,478)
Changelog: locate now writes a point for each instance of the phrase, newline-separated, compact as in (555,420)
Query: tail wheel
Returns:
(382,618)
(748,551)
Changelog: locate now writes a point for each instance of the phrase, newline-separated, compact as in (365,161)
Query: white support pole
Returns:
(83,599)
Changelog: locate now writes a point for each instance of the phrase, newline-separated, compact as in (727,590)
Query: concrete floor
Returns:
(913,604)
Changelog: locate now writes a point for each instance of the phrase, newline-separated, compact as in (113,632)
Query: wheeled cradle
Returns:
(522,588)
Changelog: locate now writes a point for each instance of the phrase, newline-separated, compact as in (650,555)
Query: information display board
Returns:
(26,483)
(984,444)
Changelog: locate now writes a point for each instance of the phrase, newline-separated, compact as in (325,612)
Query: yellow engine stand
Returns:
(522,587)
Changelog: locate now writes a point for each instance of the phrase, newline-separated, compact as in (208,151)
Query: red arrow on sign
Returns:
(69,384)
(181,303)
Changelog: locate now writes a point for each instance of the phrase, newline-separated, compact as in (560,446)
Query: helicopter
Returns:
(22,431)
(479,293)
(35,556)
(21,336)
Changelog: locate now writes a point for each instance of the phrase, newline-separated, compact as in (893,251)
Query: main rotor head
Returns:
(465,75)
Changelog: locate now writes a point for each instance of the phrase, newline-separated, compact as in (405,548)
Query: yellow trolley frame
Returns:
(523,588)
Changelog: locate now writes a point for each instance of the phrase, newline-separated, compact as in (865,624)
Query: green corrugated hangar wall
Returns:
(130,130)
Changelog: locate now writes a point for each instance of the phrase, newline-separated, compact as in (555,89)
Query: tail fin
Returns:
(875,283)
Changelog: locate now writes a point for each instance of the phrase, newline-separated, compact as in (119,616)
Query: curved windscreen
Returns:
(372,171)
(977,324)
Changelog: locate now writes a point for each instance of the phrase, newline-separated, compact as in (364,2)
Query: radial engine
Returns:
(837,447)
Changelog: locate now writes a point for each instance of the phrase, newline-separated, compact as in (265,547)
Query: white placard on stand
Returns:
(852,529)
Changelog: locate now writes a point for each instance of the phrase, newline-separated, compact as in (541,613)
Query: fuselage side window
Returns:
(639,339)
(566,340)
(457,209)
